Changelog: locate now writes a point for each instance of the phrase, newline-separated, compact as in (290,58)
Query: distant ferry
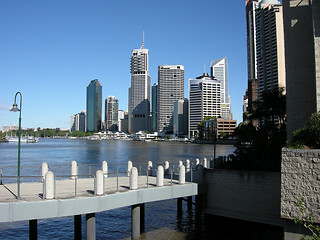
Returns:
(23,139)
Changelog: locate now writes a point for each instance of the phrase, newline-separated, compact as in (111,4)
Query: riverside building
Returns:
(302,50)
(170,90)
(94,106)
(204,101)
(265,47)
(219,70)
(139,92)
(111,113)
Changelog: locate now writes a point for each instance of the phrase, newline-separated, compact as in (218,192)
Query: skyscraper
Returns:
(94,106)
(265,43)
(181,117)
(154,107)
(219,70)
(204,100)
(170,90)
(302,50)
(139,92)
(111,113)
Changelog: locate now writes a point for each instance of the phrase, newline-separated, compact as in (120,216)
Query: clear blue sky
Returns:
(51,50)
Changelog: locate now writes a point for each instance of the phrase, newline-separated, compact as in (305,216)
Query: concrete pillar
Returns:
(74,170)
(33,229)
(135,222)
(160,176)
(49,185)
(205,162)
(166,167)
(77,227)
(105,168)
(99,183)
(91,226)
(197,162)
(187,165)
(44,170)
(142,217)
(129,167)
(182,174)
(179,207)
(134,178)
(150,168)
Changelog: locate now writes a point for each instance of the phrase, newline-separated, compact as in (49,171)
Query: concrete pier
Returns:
(77,227)
(91,226)
(135,222)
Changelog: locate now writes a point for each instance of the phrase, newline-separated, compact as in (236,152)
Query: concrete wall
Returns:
(300,177)
(247,195)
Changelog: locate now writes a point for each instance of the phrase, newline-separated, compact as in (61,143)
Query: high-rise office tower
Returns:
(94,106)
(170,89)
(265,43)
(302,49)
(73,123)
(154,107)
(111,113)
(204,100)
(181,117)
(219,70)
(139,92)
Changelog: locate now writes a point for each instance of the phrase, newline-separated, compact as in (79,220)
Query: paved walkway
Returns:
(69,188)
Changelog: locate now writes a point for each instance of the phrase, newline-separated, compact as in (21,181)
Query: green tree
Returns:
(259,148)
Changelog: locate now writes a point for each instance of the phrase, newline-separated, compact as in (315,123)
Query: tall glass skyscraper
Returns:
(154,107)
(139,92)
(111,113)
(219,70)
(94,106)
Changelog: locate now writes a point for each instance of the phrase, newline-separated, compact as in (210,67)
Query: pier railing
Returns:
(115,179)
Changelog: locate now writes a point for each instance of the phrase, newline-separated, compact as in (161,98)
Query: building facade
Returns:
(170,89)
(78,122)
(111,113)
(181,117)
(265,47)
(302,51)
(204,101)
(139,92)
(219,70)
(94,107)
(154,108)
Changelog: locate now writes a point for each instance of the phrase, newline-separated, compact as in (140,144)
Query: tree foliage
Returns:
(259,147)
(309,135)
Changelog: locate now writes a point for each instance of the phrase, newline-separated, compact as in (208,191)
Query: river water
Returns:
(161,220)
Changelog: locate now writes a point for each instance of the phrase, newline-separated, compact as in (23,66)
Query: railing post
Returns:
(44,169)
(129,167)
(99,183)
(182,174)
(166,167)
(105,168)
(49,185)
(134,179)
(150,168)
(74,169)
(160,176)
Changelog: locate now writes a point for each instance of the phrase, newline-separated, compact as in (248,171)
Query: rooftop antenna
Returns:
(142,47)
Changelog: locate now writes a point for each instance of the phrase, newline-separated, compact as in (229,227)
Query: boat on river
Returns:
(23,139)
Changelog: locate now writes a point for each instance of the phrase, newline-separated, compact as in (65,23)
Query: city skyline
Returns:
(51,59)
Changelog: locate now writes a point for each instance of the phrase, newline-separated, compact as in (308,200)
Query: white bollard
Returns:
(187,165)
(197,162)
(99,183)
(134,178)
(180,163)
(105,168)
(182,174)
(160,176)
(44,170)
(166,167)
(49,185)
(129,167)
(149,168)
(205,163)
(74,169)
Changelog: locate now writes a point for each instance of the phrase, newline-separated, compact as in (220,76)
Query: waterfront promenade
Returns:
(74,197)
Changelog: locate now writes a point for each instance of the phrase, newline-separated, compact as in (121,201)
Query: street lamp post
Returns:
(16,109)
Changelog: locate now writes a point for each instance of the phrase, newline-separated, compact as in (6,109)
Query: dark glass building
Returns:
(94,106)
